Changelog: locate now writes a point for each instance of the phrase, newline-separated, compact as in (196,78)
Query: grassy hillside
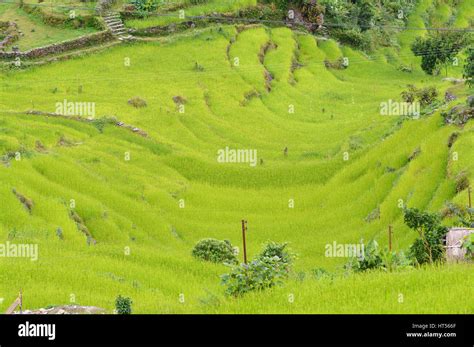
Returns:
(36,33)
(133,208)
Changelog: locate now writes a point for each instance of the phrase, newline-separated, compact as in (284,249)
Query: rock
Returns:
(453,80)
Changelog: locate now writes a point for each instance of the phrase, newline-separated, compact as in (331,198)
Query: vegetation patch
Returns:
(215,251)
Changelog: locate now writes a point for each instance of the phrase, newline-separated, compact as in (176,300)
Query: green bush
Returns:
(469,246)
(371,259)
(262,12)
(320,273)
(353,38)
(268,269)
(261,273)
(375,258)
(198,2)
(425,96)
(215,251)
(123,305)
(274,249)
(429,245)
(137,102)
(283,4)
(145,5)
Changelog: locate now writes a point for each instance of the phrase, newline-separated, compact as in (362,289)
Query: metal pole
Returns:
(244,228)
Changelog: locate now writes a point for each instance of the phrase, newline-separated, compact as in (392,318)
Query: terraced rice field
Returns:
(147,200)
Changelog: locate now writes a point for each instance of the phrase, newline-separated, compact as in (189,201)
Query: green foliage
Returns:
(274,249)
(268,269)
(123,305)
(429,246)
(438,49)
(283,4)
(259,274)
(367,12)
(137,102)
(145,5)
(464,215)
(320,273)
(425,96)
(198,2)
(370,259)
(215,251)
(312,12)
(263,12)
(374,258)
(469,67)
(469,246)
(354,38)
(462,181)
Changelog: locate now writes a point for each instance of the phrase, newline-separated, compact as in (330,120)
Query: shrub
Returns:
(353,38)
(320,273)
(268,269)
(274,249)
(469,246)
(215,251)
(280,4)
(261,273)
(198,2)
(137,102)
(425,96)
(371,258)
(262,12)
(375,258)
(429,246)
(462,181)
(123,305)
(145,5)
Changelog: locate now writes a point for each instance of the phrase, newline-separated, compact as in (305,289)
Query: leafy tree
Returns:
(429,246)
(469,67)
(438,49)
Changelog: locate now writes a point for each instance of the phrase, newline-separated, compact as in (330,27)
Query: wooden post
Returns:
(244,228)
(390,238)
(21,300)
(469,195)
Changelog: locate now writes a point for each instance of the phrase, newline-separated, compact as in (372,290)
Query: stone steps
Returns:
(116,26)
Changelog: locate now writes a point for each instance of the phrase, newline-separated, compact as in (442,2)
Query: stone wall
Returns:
(81,42)
(11,33)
